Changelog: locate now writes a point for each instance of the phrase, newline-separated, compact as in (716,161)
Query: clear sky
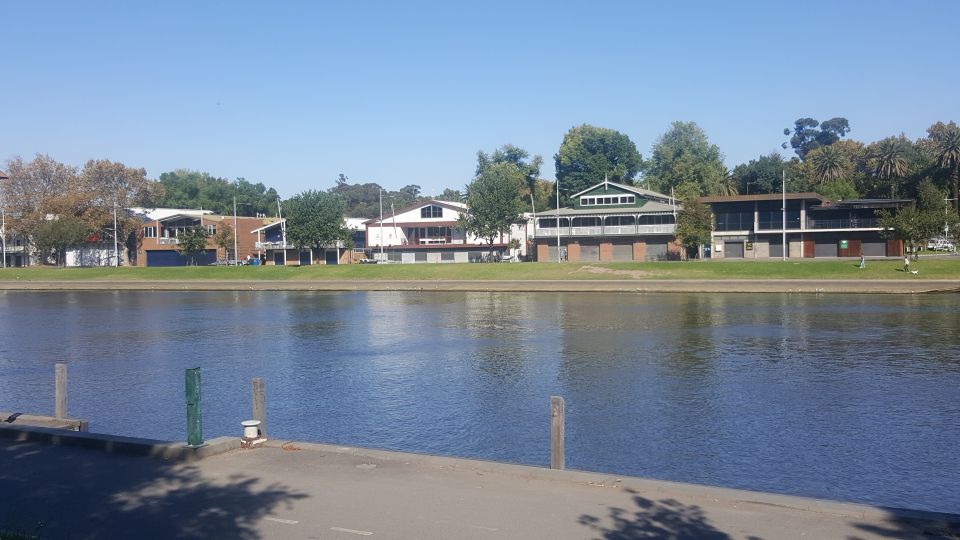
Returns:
(399,93)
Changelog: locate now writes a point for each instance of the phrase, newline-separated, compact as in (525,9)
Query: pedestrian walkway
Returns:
(298,490)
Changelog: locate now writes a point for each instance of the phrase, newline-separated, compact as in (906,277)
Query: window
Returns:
(149,232)
(431,212)
(211,230)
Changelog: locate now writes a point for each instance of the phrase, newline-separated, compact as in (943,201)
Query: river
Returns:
(846,397)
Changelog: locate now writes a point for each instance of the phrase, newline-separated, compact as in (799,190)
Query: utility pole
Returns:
(559,259)
(783,254)
(236,255)
(116,249)
(381,224)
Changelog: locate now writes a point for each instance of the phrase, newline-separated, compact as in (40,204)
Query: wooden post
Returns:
(60,393)
(556,432)
(194,419)
(259,405)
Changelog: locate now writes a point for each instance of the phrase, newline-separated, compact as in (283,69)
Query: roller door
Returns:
(656,250)
(873,248)
(825,248)
(776,249)
(590,252)
(623,252)
(551,254)
(733,250)
(167,257)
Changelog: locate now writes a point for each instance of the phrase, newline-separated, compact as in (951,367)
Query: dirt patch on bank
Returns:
(632,274)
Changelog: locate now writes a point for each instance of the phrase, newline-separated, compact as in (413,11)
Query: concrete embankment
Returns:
(899,286)
(299,490)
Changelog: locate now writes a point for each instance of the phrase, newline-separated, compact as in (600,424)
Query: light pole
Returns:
(559,258)
(381,225)
(783,254)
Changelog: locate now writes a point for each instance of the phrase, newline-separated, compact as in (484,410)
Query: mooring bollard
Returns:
(60,391)
(259,405)
(194,422)
(556,432)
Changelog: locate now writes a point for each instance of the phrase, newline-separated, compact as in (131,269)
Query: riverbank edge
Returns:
(606,480)
(615,286)
(225,446)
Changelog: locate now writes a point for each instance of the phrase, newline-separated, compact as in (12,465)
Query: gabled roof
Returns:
(651,207)
(458,206)
(633,189)
(270,225)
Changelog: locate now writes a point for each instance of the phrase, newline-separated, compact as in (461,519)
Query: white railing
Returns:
(669,228)
(271,245)
(656,229)
(168,241)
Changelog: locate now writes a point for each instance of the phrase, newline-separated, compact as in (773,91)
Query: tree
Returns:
(192,241)
(53,236)
(888,161)
(494,201)
(223,239)
(806,137)
(192,189)
(762,175)
(452,195)
(684,160)
(529,168)
(589,154)
(946,139)
(315,219)
(694,226)
(112,187)
(829,164)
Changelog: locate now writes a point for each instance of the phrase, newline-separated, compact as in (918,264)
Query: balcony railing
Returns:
(271,245)
(168,241)
(854,223)
(611,230)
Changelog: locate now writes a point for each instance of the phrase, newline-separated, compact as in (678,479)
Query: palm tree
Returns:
(889,161)
(829,163)
(727,186)
(948,157)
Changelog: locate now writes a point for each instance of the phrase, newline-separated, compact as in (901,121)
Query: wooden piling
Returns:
(556,432)
(259,405)
(60,392)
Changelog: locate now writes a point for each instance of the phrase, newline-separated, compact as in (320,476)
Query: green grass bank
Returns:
(939,268)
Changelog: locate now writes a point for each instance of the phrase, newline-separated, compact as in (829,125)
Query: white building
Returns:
(427,232)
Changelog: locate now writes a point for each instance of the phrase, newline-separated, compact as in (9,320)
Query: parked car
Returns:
(940,244)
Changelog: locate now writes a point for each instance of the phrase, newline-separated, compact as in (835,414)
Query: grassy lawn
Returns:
(929,268)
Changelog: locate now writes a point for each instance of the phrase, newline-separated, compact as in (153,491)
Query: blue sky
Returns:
(398,93)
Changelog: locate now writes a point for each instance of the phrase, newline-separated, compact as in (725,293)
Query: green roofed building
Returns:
(610,222)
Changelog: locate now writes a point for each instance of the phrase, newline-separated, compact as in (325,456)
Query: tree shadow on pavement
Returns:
(66,492)
(666,518)
(930,527)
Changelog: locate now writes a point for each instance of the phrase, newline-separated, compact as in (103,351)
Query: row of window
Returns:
(610,221)
(598,201)
(431,212)
(428,232)
(151,232)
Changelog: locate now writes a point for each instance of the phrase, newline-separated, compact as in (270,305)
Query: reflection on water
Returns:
(851,397)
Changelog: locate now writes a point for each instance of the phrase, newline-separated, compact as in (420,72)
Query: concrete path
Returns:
(298,490)
(882,286)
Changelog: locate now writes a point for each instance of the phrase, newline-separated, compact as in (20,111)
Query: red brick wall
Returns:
(606,251)
(639,250)
(573,251)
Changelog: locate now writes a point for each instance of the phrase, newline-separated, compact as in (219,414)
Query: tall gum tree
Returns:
(589,154)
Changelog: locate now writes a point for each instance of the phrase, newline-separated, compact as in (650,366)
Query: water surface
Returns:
(849,397)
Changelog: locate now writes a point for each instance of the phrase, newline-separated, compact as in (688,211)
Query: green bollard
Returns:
(194,423)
